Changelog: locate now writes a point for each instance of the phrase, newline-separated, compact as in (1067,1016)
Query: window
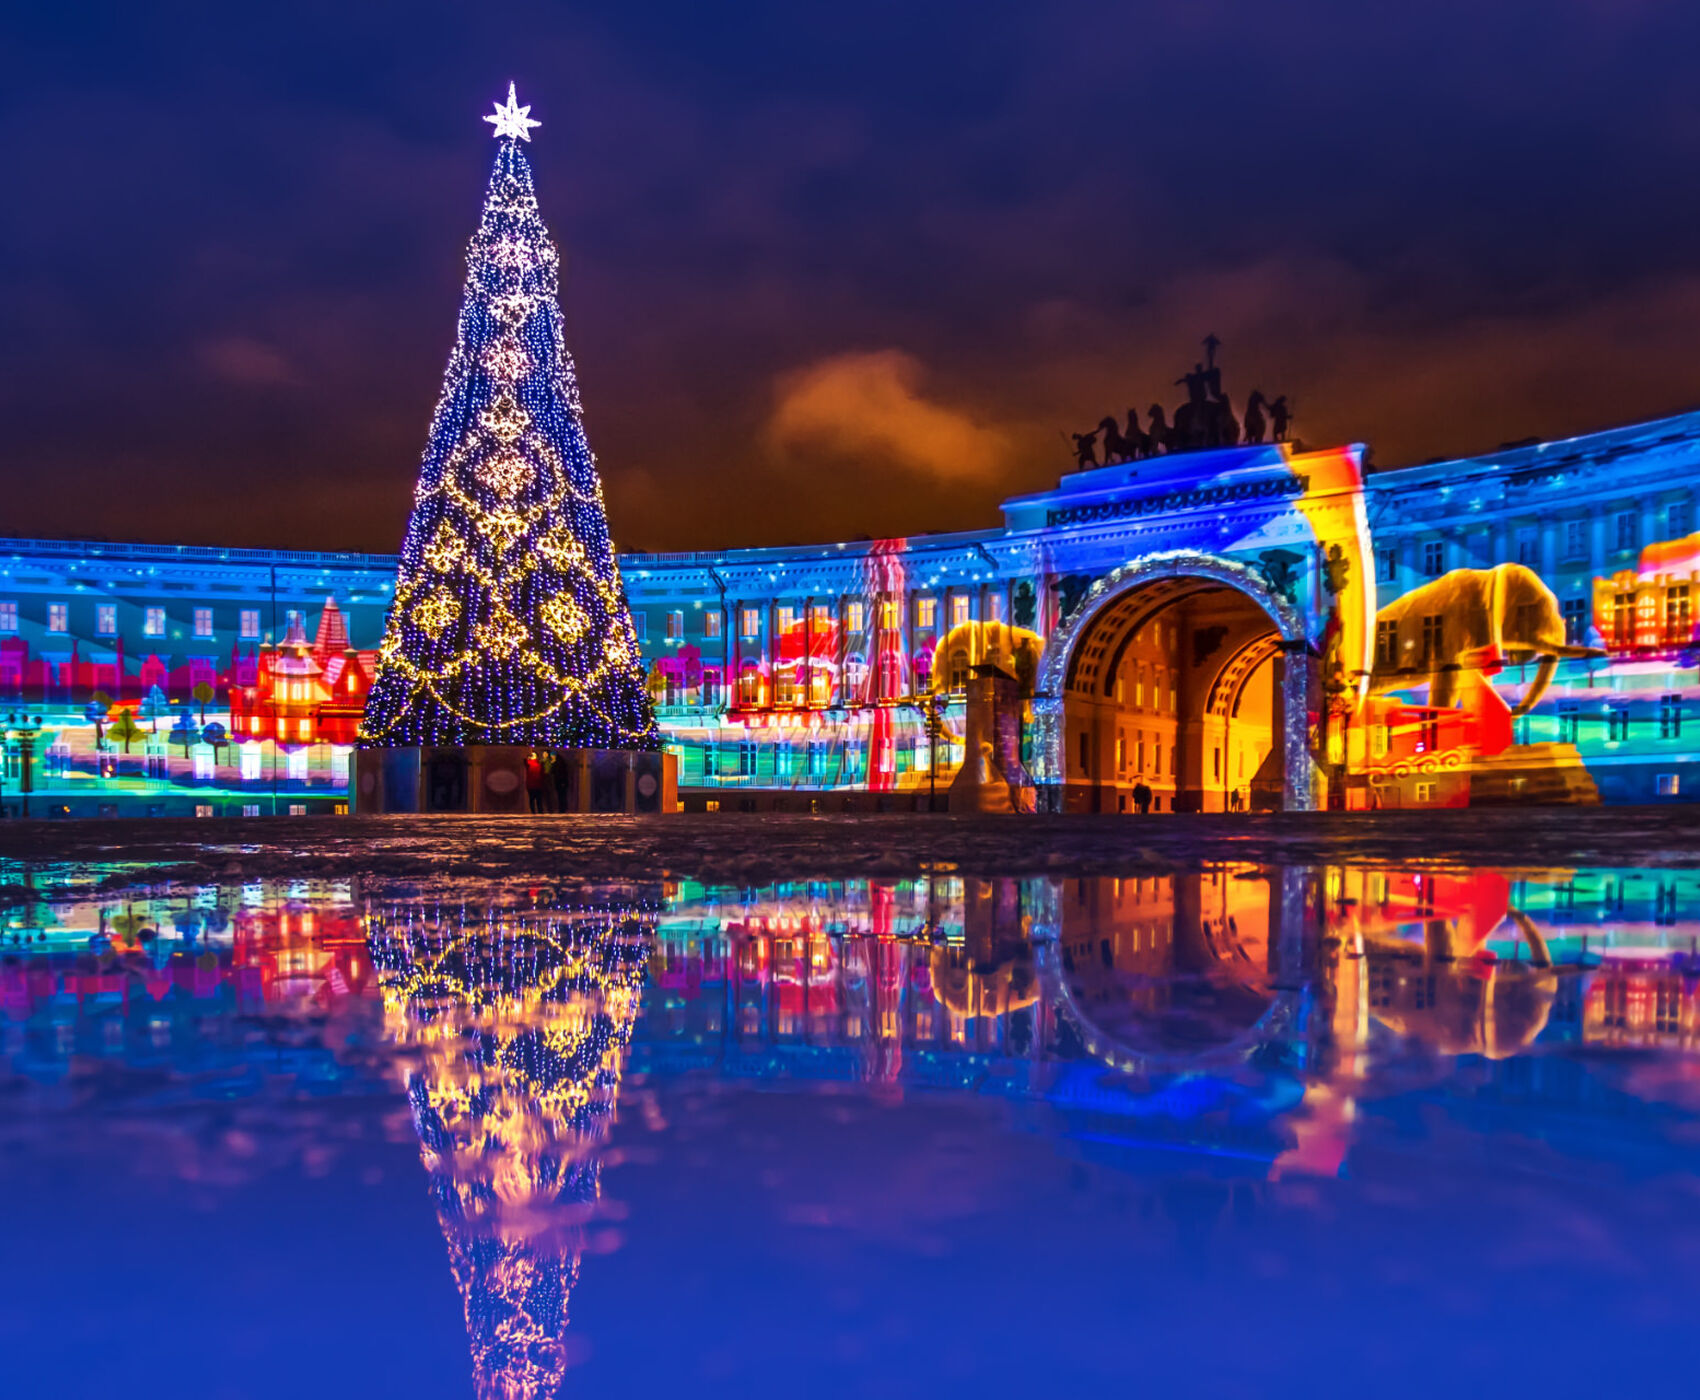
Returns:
(8,617)
(1623,620)
(1529,547)
(297,809)
(1085,753)
(1628,529)
(153,622)
(994,607)
(675,626)
(888,614)
(203,809)
(821,615)
(250,809)
(747,759)
(249,765)
(58,617)
(710,765)
(1575,539)
(1575,620)
(640,625)
(1617,722)
(106,619)
(1669,784)
(785,685)
(1679,519)
(250,623)
(749,622)
(787,619)
(1670,717)
(749,687)
(926,612)
(1569,724)
(1386,565)
(1386,643)
(1679,625)
(1434,558)
(297,765)
(1434,636)
(853,616)
(959,607)
(203,622)
(1425,792)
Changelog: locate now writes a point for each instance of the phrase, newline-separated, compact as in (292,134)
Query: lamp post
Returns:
(23,731)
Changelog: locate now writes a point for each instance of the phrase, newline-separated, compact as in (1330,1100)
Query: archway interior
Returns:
(1175,687)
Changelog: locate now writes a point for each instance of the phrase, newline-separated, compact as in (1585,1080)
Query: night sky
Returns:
(828,270)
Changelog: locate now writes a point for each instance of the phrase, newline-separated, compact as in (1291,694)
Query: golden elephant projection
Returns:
(1477,620)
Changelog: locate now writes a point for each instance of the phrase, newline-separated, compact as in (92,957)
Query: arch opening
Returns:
(1179,686)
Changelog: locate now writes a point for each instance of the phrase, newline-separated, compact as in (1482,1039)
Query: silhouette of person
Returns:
(1282,417)
(1255,424)
(1195,384)
(1084,443)
(1141,797)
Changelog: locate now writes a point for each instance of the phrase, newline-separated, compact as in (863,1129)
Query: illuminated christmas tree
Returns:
(515,1025)
(509,623)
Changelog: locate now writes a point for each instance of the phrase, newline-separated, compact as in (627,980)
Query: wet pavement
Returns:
(1214,1123)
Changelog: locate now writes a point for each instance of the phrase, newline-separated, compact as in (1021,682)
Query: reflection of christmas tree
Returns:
(520,1024)
(509,622)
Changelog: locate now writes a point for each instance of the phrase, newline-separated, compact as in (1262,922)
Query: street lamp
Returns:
(24,731)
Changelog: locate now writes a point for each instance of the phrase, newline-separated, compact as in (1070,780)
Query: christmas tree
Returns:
(509,623)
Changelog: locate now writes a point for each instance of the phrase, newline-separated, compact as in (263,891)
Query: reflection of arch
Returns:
(1278,1022)
(1083,653)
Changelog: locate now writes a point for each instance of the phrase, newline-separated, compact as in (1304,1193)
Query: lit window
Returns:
(250,809)
(749,622)
(297,765)
(8,617)
(203,622)
(106,620)
(994,607)
(249,766)
(297,809)
(853,617)
(787,619)
(1575,620)
(926,612)
(250,621)
(888,613)
(675,626)
(959,609)
(58,617)
(203,763)
(153,623)
(203,809)
(822,615)
(339,763)
(711,624)
(1670,784)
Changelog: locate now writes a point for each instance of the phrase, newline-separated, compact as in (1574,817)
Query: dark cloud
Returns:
(816,259)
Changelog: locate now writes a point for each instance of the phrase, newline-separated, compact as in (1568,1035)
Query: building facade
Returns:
(1251,627)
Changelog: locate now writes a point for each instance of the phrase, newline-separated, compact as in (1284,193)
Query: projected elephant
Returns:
(1472,620)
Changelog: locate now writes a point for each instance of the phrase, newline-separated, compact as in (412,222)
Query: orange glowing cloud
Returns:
(870,405)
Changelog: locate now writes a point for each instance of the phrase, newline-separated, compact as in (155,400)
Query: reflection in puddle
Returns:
(1235,1014)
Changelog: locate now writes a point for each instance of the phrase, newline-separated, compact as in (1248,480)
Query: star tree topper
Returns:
(512,120)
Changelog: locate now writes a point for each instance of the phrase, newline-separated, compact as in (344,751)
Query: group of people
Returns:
(1206,419)
(546,782)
